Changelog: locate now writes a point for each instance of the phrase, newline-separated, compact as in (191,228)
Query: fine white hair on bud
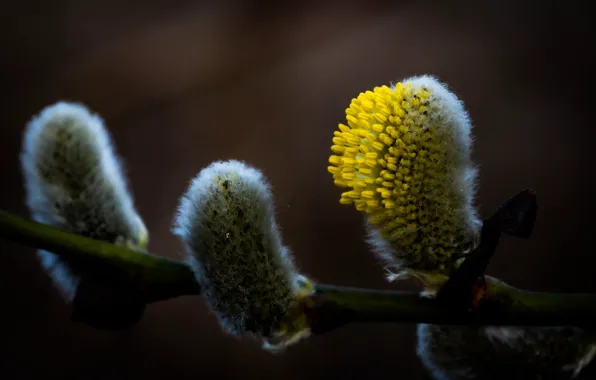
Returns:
(227,225)
(468,352)
(498,352)
(74,181)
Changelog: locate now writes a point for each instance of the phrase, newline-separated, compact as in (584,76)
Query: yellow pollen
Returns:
(395,157)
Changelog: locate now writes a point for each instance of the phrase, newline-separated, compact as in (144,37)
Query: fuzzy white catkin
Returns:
(74,181)
(501,352)
(226,223)
(495,353)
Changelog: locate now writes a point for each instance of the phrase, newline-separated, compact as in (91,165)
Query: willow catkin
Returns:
(403,157)
(74,181)
(227,225)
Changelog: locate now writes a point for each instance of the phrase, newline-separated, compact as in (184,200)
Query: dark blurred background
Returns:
(183,83)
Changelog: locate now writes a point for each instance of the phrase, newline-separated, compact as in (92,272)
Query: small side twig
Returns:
(515,217)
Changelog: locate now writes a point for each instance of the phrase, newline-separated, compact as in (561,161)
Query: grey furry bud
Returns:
(493,352)
(74,181)
(461,353)
(227,225)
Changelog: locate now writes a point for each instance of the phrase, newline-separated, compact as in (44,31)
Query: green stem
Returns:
(504,306)
(161,279)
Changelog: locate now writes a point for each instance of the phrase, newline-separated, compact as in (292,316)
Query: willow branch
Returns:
(158,279)
(504,306)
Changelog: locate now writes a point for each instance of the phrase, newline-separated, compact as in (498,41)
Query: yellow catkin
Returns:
(401,157)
